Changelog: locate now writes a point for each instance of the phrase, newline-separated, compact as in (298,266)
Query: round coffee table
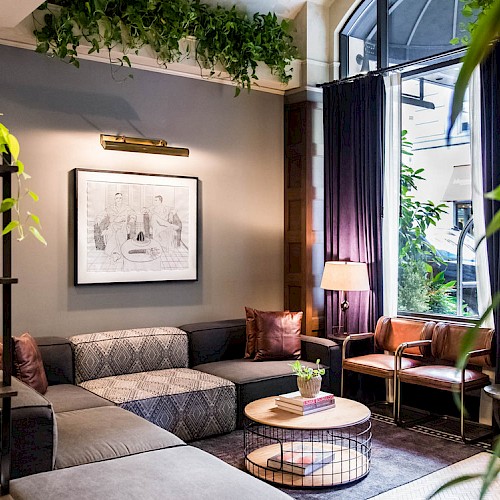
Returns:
(341,435)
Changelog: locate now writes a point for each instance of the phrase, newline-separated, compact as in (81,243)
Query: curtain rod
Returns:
(452,54)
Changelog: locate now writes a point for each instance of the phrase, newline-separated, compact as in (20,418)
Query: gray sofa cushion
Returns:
(105,354)
(177,474)
(97,434)
(189,403)
(244,371)
(255,379)
(66,397)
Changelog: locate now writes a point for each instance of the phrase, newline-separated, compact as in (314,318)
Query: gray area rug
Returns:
(398,456)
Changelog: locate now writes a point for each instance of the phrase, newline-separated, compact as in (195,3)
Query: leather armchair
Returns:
(439,371)
(389,334)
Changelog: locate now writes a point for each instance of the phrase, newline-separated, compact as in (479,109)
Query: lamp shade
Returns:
(345,276)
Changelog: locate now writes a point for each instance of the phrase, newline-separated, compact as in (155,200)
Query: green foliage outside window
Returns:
(420,289)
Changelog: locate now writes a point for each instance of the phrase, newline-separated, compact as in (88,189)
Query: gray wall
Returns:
(57,112)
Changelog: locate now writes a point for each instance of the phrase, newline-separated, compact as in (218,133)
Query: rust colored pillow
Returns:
(28,363)
(277,335)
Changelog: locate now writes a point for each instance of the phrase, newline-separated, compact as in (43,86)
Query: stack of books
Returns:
(295,403)
(301,458)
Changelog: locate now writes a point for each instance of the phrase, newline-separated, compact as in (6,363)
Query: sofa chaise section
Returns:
(146,371)
(218,348)
(174,473)
(104,433)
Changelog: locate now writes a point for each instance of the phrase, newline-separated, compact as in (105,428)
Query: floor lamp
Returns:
(345,277)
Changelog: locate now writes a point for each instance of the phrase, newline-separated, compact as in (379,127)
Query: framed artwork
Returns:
(135,227)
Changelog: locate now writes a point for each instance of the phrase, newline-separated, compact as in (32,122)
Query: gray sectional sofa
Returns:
(190,381)
(145,371)
(218,348)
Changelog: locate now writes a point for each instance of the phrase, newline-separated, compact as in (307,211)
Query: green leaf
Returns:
(494,195)
(35,218)
(494,225)
(7,204)
(33,195)
(20,167)
(10,226)
(492,471)
(453,482)
(13,145)
(34,231)
(468,339)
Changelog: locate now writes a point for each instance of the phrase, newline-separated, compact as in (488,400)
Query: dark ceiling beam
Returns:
(382,34)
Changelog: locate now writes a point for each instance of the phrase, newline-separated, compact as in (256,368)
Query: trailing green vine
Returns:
(472,11)
(225,37)
(9,147)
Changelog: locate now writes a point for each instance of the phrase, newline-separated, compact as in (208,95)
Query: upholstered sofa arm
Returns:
(329,354)
(215,340)
(34,438)
(57,356)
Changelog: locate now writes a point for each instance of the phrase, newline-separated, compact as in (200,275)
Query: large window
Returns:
(434,249)
(437,262)
(416,29)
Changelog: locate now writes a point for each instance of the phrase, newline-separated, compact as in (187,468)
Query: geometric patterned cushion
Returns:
(105,354)
(186,402)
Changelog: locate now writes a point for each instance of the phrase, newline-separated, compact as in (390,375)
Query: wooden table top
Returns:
(345,414)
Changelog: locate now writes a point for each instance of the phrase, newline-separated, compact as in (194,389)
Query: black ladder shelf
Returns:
(6,391)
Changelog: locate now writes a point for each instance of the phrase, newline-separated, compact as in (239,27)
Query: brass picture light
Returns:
(140,145)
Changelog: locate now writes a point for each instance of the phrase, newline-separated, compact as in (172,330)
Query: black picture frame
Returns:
(135,227)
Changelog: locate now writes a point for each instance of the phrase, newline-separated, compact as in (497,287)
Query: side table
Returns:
(493,391)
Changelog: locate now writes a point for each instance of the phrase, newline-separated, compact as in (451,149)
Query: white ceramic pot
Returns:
(309,388)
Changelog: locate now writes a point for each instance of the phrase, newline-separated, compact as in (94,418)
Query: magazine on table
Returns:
(301,458)
(303,411)
(294,398)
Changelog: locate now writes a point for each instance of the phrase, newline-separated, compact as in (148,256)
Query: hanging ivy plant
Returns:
(225,37)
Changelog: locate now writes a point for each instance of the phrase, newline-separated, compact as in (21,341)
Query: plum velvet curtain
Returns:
(490,144)
(353,114)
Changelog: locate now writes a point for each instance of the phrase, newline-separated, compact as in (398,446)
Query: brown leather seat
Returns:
(440,371)
(389,334)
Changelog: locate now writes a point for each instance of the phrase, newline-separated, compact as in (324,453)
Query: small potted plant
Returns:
(308,379)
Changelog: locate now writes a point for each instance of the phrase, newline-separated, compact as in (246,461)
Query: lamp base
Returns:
(337,333)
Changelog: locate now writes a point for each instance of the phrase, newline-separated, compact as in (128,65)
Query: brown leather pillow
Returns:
(250,332)
(28,363)
(277,335)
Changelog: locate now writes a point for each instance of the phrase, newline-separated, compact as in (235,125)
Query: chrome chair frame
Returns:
(459,387)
